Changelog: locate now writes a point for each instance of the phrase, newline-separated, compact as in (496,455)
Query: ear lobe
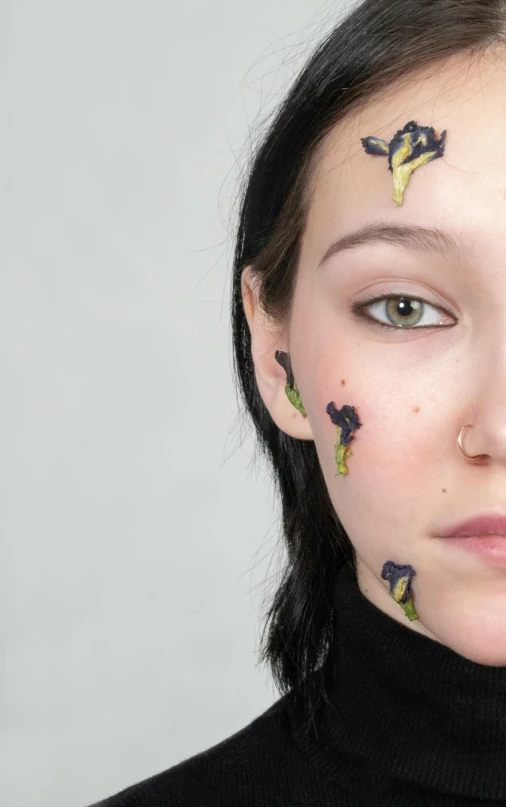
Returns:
(270,376)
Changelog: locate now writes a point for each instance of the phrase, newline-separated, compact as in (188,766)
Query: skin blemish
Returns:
(416,410)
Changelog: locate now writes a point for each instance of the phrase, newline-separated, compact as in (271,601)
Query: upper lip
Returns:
(486,524)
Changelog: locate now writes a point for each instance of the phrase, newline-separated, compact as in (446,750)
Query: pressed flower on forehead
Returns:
(291,390)
(409,148)
(346,420)
(399,577)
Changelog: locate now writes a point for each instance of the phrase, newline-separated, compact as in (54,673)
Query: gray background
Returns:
(138,532)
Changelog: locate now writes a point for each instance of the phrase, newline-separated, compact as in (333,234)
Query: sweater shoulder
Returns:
(244,768)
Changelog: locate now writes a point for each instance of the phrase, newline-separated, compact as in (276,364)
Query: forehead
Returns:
(465,189)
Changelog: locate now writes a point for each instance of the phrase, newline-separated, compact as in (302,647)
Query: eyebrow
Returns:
(411,236)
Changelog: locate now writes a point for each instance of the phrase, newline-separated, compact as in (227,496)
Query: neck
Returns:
(406,715)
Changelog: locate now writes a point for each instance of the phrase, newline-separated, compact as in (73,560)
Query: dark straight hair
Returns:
(378,44)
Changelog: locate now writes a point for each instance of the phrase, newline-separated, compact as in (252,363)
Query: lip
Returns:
(485,527)
(491,547)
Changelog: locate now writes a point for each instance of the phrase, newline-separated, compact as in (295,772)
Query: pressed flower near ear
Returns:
(293,395)
(410,148)
(399,577)
(346,420)
(291,390)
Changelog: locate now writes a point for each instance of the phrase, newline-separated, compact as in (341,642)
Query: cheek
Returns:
(402,457)
(379,500)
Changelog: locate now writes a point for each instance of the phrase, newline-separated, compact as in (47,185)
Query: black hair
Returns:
(379,43)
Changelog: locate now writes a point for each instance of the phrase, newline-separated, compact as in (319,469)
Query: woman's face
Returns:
(414,388)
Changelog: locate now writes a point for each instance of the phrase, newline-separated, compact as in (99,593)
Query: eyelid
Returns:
(358,310)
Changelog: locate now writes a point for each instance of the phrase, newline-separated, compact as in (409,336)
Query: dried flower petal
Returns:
(375,145)
(346,420)
(293,396)
(399,577)
(291,390)
(410,148)
(283,359)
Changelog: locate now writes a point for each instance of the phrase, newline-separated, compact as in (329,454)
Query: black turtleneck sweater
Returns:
(410,723)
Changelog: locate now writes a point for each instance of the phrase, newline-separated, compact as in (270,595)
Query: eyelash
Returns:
(358,311)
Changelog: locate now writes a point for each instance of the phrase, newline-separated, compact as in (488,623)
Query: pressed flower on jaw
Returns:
(399,577)
(409,148)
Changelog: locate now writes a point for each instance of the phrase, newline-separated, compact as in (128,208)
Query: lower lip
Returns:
(492,547)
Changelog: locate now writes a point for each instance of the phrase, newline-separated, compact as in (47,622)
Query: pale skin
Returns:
(413,388)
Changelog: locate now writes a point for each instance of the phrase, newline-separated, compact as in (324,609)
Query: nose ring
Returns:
(467,456)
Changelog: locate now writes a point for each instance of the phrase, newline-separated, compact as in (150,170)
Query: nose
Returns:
(487,411)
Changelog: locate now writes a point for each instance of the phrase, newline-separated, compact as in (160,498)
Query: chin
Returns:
(478,635)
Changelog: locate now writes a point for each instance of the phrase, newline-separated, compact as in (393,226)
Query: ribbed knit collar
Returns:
(411,722)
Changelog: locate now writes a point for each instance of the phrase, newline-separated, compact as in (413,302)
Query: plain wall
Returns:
(139,531)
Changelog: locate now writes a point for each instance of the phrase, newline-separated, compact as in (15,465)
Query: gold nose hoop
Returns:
(475,456)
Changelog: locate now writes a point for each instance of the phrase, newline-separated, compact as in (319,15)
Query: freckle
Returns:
(343,382)
(444,490)
(416,409)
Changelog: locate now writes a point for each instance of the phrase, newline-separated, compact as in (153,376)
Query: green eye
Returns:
(401,311)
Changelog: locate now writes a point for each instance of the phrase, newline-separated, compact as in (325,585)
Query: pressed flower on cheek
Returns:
(346,420)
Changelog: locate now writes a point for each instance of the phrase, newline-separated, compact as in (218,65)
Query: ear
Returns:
(270,375)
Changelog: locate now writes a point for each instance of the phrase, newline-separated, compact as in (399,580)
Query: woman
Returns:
(369,292)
